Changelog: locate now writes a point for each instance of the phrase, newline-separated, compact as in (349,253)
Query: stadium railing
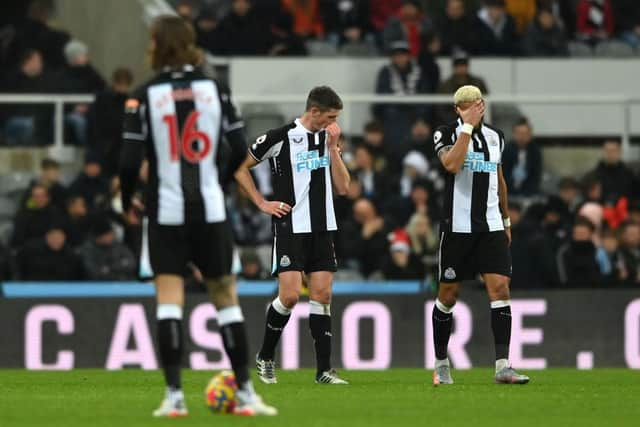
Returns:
(624,102)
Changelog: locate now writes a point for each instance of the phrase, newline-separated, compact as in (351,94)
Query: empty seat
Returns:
(321,48)
(579,49)
(614,49)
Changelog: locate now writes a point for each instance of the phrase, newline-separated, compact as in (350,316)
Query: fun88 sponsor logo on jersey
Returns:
(475,162)
(310,160)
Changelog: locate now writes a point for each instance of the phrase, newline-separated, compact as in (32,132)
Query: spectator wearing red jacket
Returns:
(595,21)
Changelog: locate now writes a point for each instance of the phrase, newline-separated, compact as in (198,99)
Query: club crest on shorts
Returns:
(285,261)
(449,274)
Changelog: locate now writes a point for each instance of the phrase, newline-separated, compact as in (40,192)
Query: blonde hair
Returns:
(468,93)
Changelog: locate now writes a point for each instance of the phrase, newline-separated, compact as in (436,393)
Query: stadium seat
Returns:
(321,48)
(358,49)
(6,230)
(15,182)
(579,49)
(614,49)
(8,207)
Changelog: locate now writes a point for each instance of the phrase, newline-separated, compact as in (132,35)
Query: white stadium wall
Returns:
(503,76)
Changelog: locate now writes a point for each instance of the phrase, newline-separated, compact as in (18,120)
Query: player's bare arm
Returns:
(339,171)
(245,180)
(504,202)
(453,158)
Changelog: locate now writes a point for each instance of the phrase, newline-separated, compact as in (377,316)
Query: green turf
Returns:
(399,397)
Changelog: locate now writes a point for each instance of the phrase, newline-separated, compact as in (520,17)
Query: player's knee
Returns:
(322,296)
(221,291)
(500,289)
(289,300)
(448,297)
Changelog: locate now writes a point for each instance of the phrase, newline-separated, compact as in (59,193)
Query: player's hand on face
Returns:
(333,130)
(275,208)
(473,114)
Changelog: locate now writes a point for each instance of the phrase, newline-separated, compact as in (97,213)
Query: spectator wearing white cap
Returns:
(78,77)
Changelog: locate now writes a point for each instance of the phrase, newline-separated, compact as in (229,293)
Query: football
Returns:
(221,393)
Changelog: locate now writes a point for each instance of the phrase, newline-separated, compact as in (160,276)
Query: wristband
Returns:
(467,128)
(506,222)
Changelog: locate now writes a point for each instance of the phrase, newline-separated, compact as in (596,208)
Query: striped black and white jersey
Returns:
(471,195)
(179,119)
(301,176)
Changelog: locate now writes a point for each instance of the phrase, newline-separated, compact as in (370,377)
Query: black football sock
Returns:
(277,317)
(501,325)
(320,325)
(234,336)
(442,319)
(170,343)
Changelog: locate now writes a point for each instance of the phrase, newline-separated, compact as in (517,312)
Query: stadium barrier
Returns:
(376,326)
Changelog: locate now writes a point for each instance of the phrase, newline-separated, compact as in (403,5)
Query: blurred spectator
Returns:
(627,19)
(522,11)
(415,167)
(104,258)
(545,36)
(522,162)
(595,214)
(611,246)
(35,33)
(402,76)
(460,77)
(499,36)
(91,184)
(524,265)
(371,237)
(591,188)
(564,12)
(594,21)
(374,138)
(569,192)
(347,21)
(307,17)
(48,258)
(399,264)
(374,183)
(617,179)
(428,63)
(251,266)
(580,262)
(27,123)
(34,219)
(241,32)
(459,30)
(381,12)
(420,200)
(285,41)
(205,26)
(78,77)
(76,221)
(409,25)
(50,178)
(424,243)
(630,254)
(249,225)
(106,116)
(419,141)
(185,10)
(634,211)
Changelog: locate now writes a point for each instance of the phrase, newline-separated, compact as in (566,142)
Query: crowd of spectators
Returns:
(366,27)
(585,233)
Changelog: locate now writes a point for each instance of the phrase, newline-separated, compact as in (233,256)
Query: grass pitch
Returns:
(397,397)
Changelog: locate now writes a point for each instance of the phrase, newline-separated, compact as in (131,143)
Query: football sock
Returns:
(501,325)
(170,343)
(277,317)
(442,320)
(234,337)
(320,325)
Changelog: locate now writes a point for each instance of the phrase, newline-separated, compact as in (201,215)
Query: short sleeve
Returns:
(134,125)
(442,137)
(266,146)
